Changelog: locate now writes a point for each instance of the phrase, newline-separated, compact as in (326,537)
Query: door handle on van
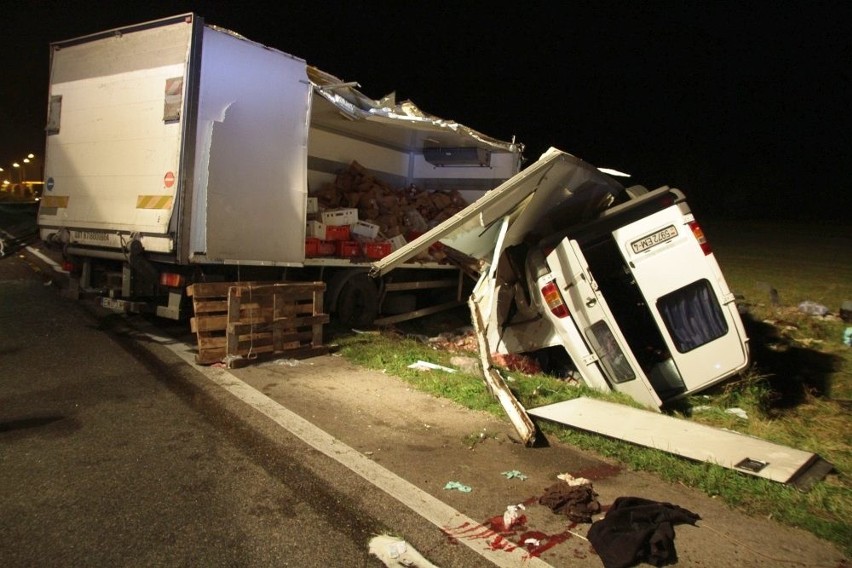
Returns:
(591,302)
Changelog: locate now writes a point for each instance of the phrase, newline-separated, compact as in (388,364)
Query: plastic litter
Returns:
(458,486)
(427,366)
(847,337)
(573,481)
(514,474)
(397,553)
(738,412)
(812,308)
(512,515)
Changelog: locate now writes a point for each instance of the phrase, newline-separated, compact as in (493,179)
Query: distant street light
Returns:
(20,173)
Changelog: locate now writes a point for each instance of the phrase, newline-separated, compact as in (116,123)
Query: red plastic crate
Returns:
(377,250)
(337,232)
(348,249)
(327,248)
(312,246)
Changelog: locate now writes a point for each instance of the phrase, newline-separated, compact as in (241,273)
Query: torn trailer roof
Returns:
(397,124)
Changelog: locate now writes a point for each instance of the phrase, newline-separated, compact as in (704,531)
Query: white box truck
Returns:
(180,152)
(618,285)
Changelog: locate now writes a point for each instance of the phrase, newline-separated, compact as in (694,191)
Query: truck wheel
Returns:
(358,302)
(399,304)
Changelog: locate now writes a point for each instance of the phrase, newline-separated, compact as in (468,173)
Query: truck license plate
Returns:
(654,239)
(113,304)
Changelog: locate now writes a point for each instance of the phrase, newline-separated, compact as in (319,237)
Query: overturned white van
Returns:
(620,284)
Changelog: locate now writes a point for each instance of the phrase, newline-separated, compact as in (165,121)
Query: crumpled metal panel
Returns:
(358,107)
(558,190)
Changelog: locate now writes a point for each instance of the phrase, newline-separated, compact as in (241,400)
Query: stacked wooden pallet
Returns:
(235,322)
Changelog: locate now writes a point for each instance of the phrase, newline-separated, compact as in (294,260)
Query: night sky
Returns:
(744,107)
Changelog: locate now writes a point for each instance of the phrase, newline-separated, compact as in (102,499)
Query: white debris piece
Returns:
(396,553)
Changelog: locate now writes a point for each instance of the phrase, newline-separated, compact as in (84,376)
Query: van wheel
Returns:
(358,302)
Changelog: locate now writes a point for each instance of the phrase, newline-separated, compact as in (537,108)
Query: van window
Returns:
(692,315)
(612,357)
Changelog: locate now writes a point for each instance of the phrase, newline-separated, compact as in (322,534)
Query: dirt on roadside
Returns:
(431,441)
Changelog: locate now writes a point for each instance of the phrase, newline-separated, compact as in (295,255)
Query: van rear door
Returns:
(686,294)
(593,317)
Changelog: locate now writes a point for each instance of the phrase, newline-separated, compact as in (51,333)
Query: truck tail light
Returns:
(69,267)
(553,299)
(171,280)
(699,236)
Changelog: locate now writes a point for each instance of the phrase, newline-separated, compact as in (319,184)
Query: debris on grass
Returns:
(812,308)
(427,366)
(738,412)
(517,362)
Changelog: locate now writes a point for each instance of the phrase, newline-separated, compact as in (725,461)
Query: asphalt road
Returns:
(112,454)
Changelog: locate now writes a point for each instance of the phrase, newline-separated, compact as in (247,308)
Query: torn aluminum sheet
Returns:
(433,130)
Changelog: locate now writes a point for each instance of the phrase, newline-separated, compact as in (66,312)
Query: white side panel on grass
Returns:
(680,437)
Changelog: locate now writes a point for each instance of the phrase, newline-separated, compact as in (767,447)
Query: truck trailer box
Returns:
(175,146)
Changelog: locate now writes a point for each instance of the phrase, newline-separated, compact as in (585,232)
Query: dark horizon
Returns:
(744,108)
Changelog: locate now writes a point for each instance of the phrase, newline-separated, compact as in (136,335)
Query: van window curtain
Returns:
(693,315)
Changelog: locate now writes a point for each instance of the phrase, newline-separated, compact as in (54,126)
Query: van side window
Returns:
(606,347)
(692,315)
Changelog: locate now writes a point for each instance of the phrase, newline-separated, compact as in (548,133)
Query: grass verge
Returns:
(825,510)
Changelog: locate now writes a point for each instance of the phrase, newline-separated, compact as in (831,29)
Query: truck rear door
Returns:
(686,294)
(112,160)
(592,315)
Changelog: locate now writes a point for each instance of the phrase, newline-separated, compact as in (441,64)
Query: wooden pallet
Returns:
(237,321)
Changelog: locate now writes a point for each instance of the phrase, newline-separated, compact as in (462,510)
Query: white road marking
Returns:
(46,259)
(481,539)
(32,250)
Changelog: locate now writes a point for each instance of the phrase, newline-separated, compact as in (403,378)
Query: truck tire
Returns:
(358,302)
(395,304)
